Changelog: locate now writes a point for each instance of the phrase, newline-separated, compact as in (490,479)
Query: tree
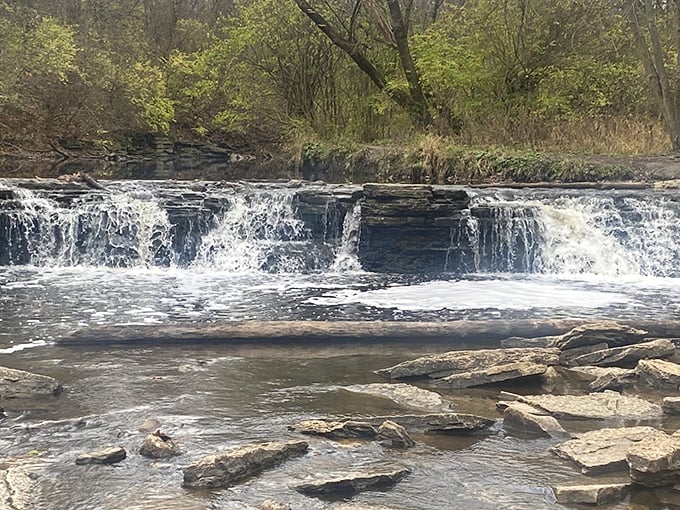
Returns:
(395,25)
(656,50)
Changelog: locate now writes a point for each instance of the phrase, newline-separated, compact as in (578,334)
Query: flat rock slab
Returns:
(603,451)
(490,375)
(655,461)
(456,362)
(659,373)
(606,405)
(444,423)
(393,435)
(610,333)
(596,494)
(671,405)
(110,455)
(227,468)
(626,356)
(402,394)
(526,419)
(349,429)
(19,384)
(353,482)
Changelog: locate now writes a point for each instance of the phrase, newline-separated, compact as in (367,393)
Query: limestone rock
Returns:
(490,375)
(520,341)
(655,461)
(394,435)
(227,468)
(110,455)
(18,383)
(627,356)
(610,333)
(568,356)
(270,504)
(19,487)
(597,494)
(360,506)
(455,362)
(659,373)
(595,406)
(444,423)
(403,394)
(671,405)
(604,450)
(529,420)
(159,446)
(337,429)
(353,482)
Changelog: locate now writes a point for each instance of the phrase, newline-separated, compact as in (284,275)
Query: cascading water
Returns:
(346,258)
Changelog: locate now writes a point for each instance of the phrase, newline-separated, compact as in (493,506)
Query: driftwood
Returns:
(489,331)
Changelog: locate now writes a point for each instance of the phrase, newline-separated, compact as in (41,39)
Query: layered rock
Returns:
(349,429)
(109,455)
(19,383)
(393,435)
(604,450)
(462,369)
(655,460)
(566,380)
(404,395)
(227,468)
(526,419)
(626,356)
(659,374)
(353,482)
(596,494)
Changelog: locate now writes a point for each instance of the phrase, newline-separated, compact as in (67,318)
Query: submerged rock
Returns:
(626,356)
(353,482)
(159,446)
(596,494)
(659,374)
(606,405)
(19,384)
(603,451)
(526,419)
(336,429)
(393,435)
(227,468)
(655,460)
(403,394)
(473,364)
(110,455)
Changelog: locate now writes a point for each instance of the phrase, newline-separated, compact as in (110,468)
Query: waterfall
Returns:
(346,257)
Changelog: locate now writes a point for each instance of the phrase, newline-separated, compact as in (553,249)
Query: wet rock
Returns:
(610,333)
(627,356)
(603,451)
(19,384)
(596,494)
(444,423)
(353,482)
(655,460)
(520,341)
(19,487)
(568,356)
(490,375)
(270,504)
(405,395)
(149,425)
(360,506)
(110,455)
(659,374)
(614,378)
(526,419)
(475,361)
(606,405)
(671,405)
(227,468)
(65,424)
(563,380)
(159,446)
(337,429)
(393,435)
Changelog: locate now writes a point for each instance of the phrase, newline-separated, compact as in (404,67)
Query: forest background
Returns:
(567,76)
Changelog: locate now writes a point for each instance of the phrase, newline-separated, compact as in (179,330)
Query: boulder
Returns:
(159,446)
(405,395)
(110,455)
(523,418)
(604,450)
(671,405)
(456,362)
(596,494)
(393,435)
(610,333)
(655,460)
(490,375)
(659,374)
(626,356)
(606,405)
(349,429)
(19,384)
(350,483)
(227,468)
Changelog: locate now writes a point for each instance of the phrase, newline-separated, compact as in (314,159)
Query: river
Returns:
(72,262)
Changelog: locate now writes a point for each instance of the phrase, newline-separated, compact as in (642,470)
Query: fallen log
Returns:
(482,331)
